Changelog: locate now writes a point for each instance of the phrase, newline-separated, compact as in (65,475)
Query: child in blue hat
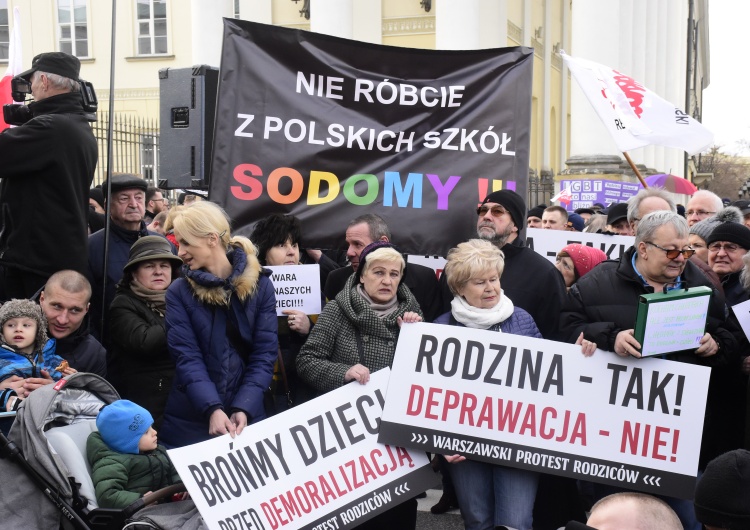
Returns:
(125,458)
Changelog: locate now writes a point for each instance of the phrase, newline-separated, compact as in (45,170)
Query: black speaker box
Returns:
(187,98)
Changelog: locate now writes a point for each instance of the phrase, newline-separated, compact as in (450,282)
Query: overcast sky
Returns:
(726,101)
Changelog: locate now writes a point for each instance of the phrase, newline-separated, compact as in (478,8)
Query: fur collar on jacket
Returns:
(243,281)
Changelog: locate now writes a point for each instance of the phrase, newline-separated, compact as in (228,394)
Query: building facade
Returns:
(644,38)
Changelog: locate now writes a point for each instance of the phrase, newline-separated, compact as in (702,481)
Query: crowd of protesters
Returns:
(182,321)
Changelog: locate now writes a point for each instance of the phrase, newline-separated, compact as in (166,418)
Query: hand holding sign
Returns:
(359,373)
(298,321)
(219,423)
(625,344)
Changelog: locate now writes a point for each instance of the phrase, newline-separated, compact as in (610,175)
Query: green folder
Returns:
(672,321)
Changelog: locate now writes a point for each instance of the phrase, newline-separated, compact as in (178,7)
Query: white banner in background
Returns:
(548,243)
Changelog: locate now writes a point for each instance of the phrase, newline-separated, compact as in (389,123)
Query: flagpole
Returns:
(108,191)
(635,169)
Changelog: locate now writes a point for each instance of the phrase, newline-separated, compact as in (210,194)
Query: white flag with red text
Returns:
(15,64)
(634,115)
(565,196)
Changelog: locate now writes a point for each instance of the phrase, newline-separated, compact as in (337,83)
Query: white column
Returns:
(332,17)
(493,23)
(595,33)
(470,24)
(528,30)
(457,25)
(546,88)
(563,120)
(207,29)
(367,20)
(257,10)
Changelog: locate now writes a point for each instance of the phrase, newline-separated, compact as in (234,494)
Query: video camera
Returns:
(20,114)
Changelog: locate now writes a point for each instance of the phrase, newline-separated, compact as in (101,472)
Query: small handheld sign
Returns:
(672,321)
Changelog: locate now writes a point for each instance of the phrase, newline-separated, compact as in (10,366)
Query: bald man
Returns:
(633,511)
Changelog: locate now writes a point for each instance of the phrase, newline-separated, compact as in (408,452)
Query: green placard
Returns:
(672,321)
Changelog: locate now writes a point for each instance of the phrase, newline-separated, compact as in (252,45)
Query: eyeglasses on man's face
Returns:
(729,248)
(699,213)
(497,211)
(672,253)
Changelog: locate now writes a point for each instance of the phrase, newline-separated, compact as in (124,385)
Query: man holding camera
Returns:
(47,167)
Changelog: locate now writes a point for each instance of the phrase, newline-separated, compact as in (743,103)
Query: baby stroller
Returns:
(46,477)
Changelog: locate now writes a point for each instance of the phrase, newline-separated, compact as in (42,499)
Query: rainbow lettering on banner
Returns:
(398,190)
(497,185)
(405,191)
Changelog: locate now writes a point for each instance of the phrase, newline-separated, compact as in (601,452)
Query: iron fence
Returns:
(135,146)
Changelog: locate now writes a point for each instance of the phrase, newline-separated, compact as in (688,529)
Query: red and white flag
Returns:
(565,196)
(15,64)
(634,115)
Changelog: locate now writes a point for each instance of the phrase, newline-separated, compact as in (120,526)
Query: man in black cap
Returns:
(727,244)
(534,217)
(48,165)
(126,211)
(744,207)
(722,493)
(617,219)
(529,280)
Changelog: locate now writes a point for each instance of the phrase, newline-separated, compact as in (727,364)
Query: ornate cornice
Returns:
(515,33)
(302,25)
(423,25)
(130,93)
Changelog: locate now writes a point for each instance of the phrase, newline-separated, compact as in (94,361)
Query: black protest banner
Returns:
(328,129)
(541,405)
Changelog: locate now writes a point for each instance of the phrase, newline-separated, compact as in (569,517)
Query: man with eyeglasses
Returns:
(702,205)
(126,210)
(727,244)
(155,203)
(530,281)
(603,305)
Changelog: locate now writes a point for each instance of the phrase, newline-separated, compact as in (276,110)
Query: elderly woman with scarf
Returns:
(221,331)
(489,495)
(356,334)
(138,363)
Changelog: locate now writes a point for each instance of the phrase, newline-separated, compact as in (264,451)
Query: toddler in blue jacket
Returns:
(25,350)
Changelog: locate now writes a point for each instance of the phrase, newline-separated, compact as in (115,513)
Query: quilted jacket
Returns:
(210,372)
(120,479)
(12,363)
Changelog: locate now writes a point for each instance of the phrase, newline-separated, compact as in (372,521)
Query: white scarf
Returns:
(477,318)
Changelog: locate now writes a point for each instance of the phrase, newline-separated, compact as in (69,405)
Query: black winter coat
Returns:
(605,302)
(48,165)
(138,360)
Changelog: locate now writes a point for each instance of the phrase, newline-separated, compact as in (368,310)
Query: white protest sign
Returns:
(742,312)
(318,465)
(548,243)
(674,325)
(297,287)
(541,405)
(436,263)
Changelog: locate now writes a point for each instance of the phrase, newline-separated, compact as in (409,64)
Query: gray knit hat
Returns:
(703,229)
(22,308)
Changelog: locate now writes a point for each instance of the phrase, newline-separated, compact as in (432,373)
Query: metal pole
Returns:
(109,166)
